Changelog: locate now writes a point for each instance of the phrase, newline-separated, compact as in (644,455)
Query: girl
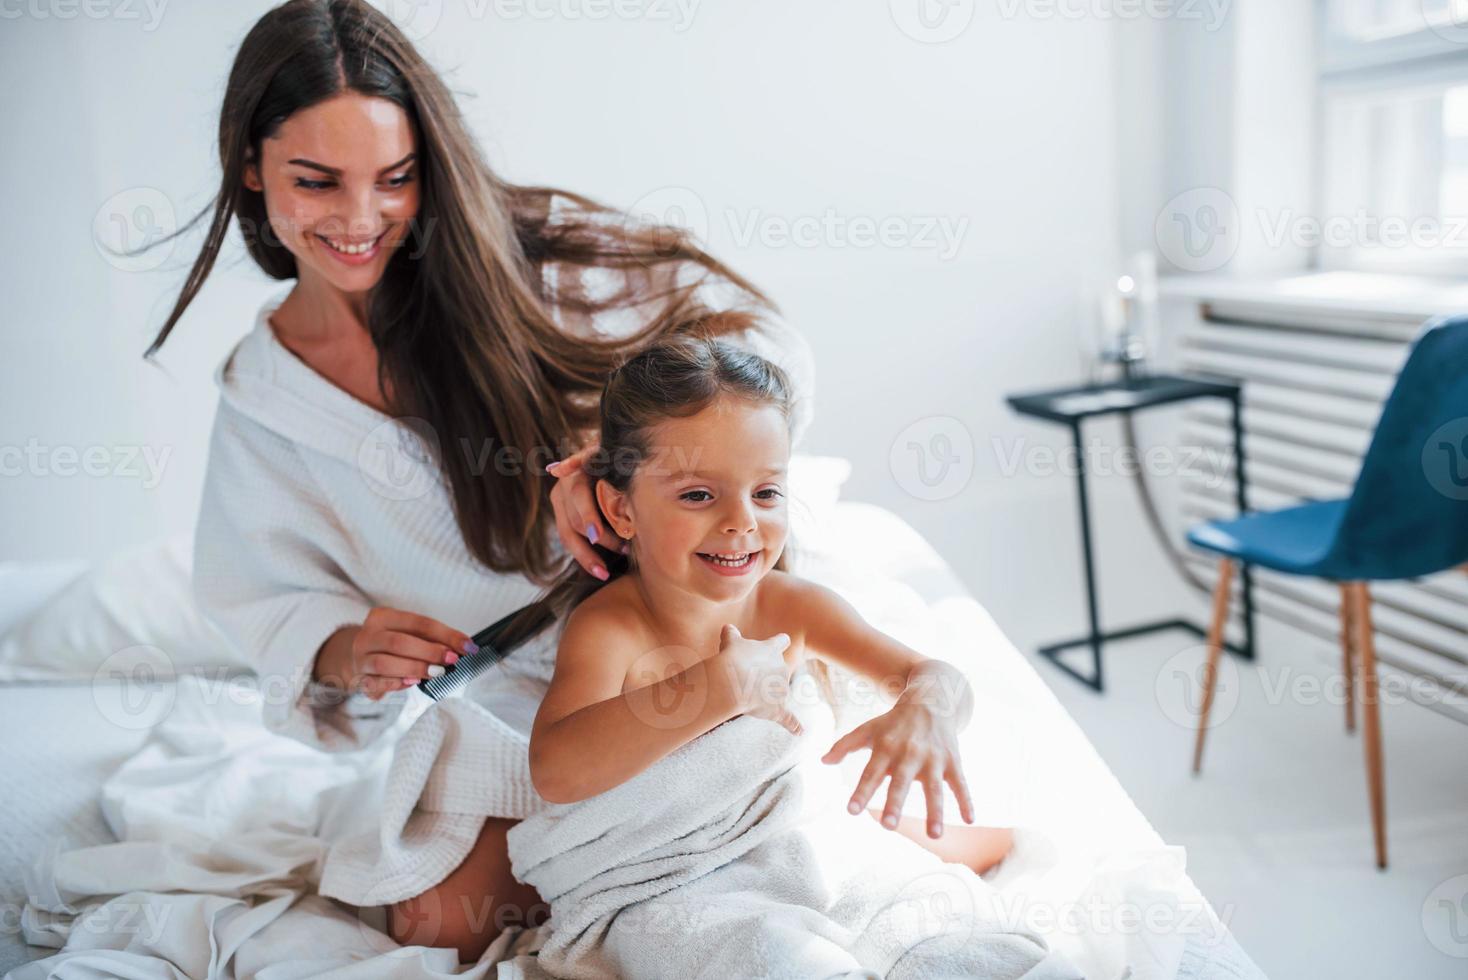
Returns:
(695,445)
(668,744)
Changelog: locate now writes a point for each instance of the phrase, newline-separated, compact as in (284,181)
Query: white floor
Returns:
(1277,826)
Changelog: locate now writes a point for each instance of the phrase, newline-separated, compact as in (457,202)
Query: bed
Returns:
(1086,860)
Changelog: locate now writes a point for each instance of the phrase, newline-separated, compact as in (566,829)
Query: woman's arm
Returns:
(265,575)
(589,736)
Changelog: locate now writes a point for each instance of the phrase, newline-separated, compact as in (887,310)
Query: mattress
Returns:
(66,738)
(62,740)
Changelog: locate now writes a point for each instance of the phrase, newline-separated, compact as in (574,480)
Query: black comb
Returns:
(495,642)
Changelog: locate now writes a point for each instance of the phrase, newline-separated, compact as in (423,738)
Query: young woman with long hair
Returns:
(377,481)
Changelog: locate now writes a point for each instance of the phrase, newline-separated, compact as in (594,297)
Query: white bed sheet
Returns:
(25,585)
(59,748)
(65,739)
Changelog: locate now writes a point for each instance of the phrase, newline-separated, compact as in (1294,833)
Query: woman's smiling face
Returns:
(341,184)
(707,509)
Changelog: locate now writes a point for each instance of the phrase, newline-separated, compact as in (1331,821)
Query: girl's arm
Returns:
(589,737)
(918,737)
(836,632)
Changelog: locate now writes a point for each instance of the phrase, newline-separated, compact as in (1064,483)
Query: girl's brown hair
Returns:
(678,376)
(461,318)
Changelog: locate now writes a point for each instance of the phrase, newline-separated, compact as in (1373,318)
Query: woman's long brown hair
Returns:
(462,317)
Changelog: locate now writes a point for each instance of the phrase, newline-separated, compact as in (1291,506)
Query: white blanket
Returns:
(715,862)
(223,827)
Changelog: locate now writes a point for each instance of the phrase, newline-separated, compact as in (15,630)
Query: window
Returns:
(1375,20)
(1394,135)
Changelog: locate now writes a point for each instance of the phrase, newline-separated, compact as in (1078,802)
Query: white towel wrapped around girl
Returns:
(681,838)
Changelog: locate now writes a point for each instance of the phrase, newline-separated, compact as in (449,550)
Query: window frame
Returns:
(1352,73)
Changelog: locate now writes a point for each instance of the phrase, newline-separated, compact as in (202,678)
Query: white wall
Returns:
(763,111)
(1218,111)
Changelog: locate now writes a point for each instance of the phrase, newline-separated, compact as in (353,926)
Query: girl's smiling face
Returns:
(707,508)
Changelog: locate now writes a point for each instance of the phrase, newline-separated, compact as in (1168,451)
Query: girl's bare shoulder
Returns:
(786,600)
(611,614)
(784,589)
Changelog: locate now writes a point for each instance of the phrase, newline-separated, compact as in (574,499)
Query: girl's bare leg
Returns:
(980,848)
(476,902)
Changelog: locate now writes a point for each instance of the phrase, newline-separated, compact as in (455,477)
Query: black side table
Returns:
(1071,406)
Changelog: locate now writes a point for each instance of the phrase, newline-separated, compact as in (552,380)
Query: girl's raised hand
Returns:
(910,741)
(760,672)
(578,518)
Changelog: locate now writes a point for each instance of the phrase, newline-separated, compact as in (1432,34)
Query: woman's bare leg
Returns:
(476,902)
(980,848)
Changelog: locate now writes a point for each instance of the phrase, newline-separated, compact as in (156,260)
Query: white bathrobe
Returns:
(316,508)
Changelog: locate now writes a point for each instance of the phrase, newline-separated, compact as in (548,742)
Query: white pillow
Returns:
(133,611)
(815,489)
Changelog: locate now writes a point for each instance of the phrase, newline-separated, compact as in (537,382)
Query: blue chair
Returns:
(1407,516)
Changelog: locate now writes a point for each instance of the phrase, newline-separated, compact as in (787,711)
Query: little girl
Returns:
(676,842)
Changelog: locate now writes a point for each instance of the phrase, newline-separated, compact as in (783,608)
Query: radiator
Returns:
(1314,387)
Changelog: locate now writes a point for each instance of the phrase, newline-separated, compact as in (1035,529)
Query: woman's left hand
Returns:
(578,518)
(910,741)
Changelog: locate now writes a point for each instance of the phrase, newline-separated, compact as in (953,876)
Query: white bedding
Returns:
(59,748)
(226,823)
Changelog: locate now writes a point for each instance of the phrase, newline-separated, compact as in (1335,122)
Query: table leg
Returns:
(1241,484)
(1096,639)
(1085,507)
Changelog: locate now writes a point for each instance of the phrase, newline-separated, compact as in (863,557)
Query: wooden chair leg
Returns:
(1215,650)
(1370,716)
(1348,657)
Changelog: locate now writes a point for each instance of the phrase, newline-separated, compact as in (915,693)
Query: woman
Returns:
(375,488)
